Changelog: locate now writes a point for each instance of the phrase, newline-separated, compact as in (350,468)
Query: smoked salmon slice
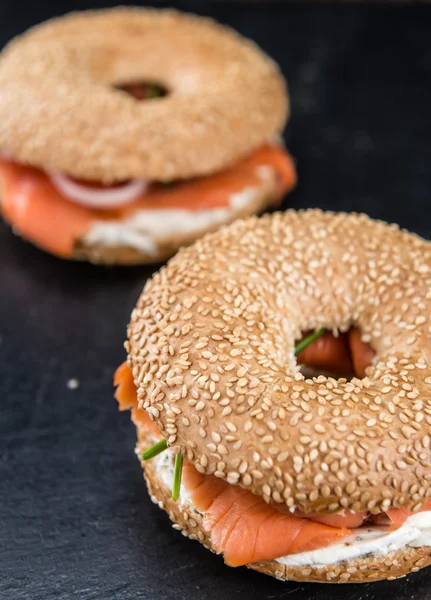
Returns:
(344,354)
(362,353)
(399,516)
(203,489)
(127,399)
(37,210)
(350,520)
(328,353)
(125,392)
(245,528)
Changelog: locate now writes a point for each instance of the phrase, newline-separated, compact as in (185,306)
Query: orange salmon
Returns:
(399,516)
(127,399)
(328,353)
(362,353)
(350,520)
(344,354)
(245,528)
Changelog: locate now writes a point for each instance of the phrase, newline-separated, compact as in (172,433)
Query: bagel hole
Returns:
(342,356)
(143,90)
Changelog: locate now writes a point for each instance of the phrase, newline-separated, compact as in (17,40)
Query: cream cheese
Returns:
(165,467)
(415,532)
(144,228)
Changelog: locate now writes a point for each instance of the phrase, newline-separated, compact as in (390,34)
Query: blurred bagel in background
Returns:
(129,132)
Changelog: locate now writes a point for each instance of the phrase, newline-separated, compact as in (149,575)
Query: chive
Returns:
(177,476)
(300,346)
(153,91)
(155,450)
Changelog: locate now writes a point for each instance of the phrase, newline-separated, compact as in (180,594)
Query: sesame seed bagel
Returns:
(372,567)
(211,345)
(226,97)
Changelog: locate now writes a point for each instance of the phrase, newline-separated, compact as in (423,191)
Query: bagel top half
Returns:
(60,109)
(211,346)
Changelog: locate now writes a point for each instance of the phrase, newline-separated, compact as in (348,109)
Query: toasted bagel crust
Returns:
(226,97)
(211,345)
(359,570)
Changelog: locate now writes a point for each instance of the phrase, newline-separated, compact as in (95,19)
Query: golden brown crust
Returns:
(227,97)
(213,336)
(167,245)
(360,570)
(372,567)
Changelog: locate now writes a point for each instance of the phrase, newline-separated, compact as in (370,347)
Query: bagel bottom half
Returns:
(372,567)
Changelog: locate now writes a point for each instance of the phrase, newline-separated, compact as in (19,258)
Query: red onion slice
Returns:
(98,198)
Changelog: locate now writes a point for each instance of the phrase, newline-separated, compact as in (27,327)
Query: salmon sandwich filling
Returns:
(244,527)
(161,128)
(64,216)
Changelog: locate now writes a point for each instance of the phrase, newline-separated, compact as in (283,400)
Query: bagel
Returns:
(211,362)
(85,162)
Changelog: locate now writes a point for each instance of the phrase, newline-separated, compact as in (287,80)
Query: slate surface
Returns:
(75,518)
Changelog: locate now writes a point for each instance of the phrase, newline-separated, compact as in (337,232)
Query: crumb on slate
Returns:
(73,384)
